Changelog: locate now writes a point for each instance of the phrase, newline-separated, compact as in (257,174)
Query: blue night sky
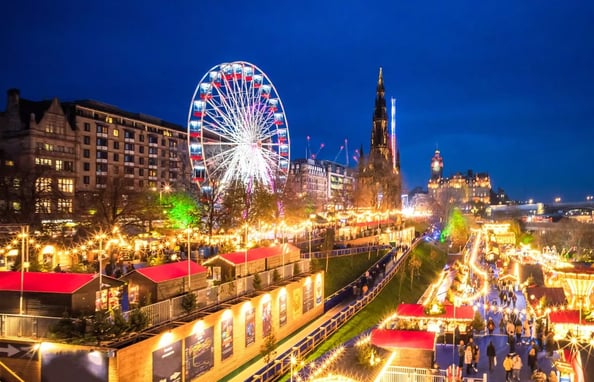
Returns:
(504,87)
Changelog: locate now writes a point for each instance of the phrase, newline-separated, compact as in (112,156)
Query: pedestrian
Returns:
(539,376)
(508,367)
(491,353)
(456,334)
(476,351)
(461,354)
(468,359)
(490,326)
(532,357)
(518,331)
(516,367)
(553,376)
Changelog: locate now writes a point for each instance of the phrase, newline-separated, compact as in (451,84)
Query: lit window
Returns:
(66,185)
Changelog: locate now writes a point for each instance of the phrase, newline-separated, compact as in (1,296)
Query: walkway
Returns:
(446,353)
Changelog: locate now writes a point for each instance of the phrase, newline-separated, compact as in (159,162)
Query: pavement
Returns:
(446,354)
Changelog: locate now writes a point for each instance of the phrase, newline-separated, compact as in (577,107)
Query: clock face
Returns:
(435,165)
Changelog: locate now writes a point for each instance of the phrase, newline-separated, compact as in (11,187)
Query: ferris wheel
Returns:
(237,130)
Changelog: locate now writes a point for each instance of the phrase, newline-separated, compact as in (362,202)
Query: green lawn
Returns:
(398,290)
(344,269)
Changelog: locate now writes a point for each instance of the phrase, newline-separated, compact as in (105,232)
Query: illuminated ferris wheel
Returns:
(237,130)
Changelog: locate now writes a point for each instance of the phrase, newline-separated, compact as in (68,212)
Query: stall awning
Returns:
(403,339)
(461,313)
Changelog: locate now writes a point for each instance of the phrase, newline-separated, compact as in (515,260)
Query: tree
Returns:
(101,325)
(328,243)
(185,211)
(188,302)
(268,348)
(414,265)
(137,320)
(257,282)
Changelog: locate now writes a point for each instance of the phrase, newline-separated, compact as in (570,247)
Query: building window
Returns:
(116,145)
(86,153)
(87,126)
(129,146)
(86,166)
(141,171)
(141,138)
(140,160)
(128,134)
(116,133)
(43,206)
(43,185)
(129,158)
(43,162)
(64,205)
(129,170)
(116,157)
(59,165)
(101,129)
(153,151)
(102,142)
(101,167)
(141,149)
(87,140)
(101,154)
(66,185)
(101,180)
(86,179)
(68,165)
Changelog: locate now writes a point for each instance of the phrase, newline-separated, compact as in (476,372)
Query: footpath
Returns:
(446,354)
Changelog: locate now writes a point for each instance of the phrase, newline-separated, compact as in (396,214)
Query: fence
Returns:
(282,364)
(411,374)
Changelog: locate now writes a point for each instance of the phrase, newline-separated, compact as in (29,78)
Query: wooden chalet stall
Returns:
(417,348)
(445,320)
(53,294)
(164,281)
(241,264)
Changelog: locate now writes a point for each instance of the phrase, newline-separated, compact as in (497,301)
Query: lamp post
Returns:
(100,237)
(293,363)
(24,264)
(309,227)
(189,259)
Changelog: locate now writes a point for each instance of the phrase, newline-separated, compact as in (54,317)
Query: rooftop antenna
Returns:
(307,150)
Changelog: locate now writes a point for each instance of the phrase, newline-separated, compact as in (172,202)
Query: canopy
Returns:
(403,339)
(461,313)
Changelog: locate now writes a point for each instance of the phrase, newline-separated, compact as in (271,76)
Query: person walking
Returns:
(468,359)
(461,354)
(491,353)
(539,376)
(490,326)
(516,367)
(508,365)
(532,357)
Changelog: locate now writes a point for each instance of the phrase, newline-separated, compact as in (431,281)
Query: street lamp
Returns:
(309,226)
(293,363)
(24,263)
(100,237)
(189,257)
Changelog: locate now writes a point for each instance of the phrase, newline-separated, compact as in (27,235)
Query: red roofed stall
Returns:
(413,348)
(164,281)
(565,321)
(53,294)
(461,313)
(241,264)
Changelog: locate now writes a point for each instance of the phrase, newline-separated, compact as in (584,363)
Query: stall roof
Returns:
(554,296)
(418,311)
(567,317)
(170,271)
(403,339)
(44,282)
(237,258)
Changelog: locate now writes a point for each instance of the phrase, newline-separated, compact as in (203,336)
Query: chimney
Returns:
(12,100)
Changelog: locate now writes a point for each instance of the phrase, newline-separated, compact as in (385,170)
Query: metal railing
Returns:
(282,363)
